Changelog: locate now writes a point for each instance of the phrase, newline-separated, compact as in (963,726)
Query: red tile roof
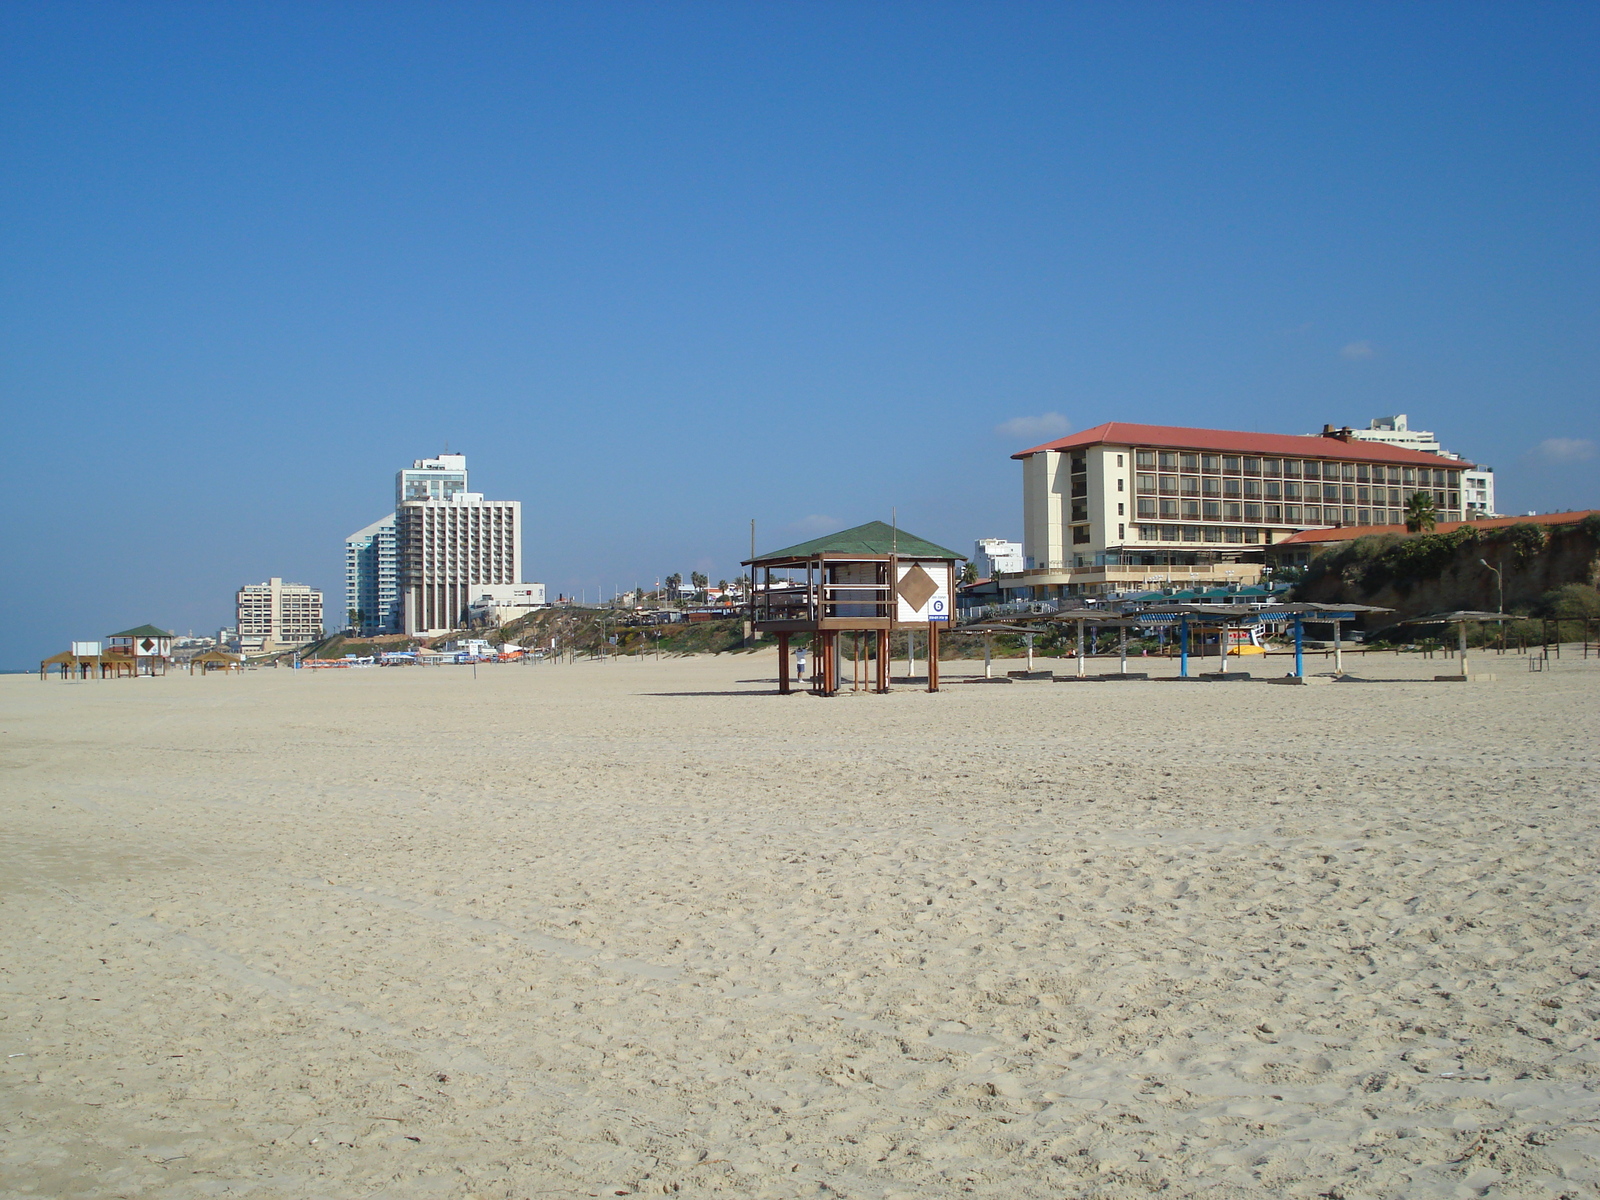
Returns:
(1350,533)
(1228,441)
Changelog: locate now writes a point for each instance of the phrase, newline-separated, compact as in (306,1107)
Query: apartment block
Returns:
(278,616)
(372,579)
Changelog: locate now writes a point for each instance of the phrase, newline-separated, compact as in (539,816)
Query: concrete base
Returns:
(1145,675)
(1225,676)
(985,679)
(1077,678)
(1301,680)
(1031,674)
(1473,678)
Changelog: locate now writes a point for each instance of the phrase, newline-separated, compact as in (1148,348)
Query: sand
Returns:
(649,928)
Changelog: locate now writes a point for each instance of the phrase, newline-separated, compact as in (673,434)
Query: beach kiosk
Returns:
(149,648)
(870,580)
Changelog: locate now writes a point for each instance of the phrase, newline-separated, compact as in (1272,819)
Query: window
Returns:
(1213,534)
(1145,507)
(1291,491)
(1230,511)
(1191,510)
(1119,460)
(1121,511)
(1274,513)
(1210,462)
(1119,483)
(1212,509)
(1363,517)
(1191,533)
(1252,466)
(1291,468)
(1079,464)
(1190,485)
(1291,513)
(1230,487)
(1410,476)
(1145,458)
(1080,535)
(1394,474)
(1251,536)
(1211,487)
(1362,494)
(1230,463)
(1169,533)
(1168,460)
(1252,512)
(1233,534)
(1189,462)
(1349,516)
(1274,490)
(1348,494)
(1144,483)
(1313,514)
(1455,500)
(1169,485)
(1169,508)
(1330,491)
(1121,533)
(1272,466)
(1361,472)
(1252,487)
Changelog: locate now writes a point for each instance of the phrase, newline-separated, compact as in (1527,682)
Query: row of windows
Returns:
(1273,489)
(1277,514)
(1229,534)
(1289,468)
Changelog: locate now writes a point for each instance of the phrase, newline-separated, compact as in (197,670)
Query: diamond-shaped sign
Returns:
(917,587)
(147,645)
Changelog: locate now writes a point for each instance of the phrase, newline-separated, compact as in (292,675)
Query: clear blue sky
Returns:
(658,269)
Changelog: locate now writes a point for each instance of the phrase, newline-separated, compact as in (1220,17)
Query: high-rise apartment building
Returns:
(372,579)
(278,616)
(420,569)
(1125,505)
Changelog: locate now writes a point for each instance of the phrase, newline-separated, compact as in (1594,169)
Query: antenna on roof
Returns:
(894,530)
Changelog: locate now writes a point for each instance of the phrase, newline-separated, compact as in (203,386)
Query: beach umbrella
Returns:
(1459,619)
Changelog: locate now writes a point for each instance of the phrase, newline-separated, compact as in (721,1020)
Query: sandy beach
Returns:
(648,928)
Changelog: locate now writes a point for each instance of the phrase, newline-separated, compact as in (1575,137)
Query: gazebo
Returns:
(874,578)
(216,660)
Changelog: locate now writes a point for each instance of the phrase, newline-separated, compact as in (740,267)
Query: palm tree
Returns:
(969,573)
(1421,515)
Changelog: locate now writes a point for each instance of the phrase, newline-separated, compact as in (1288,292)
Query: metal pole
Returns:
(1338,649)
(1461,641)
(1183,643)
(1028,637)
(1080,648)
(988,666)
(1122,647)
(1299,649)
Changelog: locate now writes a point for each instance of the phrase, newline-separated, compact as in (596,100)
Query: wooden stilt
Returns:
(883,660)
(783,663)
(933,656)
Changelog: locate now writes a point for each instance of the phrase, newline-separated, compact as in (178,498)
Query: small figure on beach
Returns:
(800,663)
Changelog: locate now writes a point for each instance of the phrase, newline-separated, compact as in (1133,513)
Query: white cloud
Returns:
(1045,425)
(814,525)
(1357,351)
(1566,450)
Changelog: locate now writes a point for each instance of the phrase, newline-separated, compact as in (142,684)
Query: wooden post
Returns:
(783,663)
(883,660)
(933,656)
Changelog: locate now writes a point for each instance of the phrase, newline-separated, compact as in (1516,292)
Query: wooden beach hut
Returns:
(869,580)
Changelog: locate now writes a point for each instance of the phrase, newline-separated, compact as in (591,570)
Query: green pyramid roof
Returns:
(872,538)
(140,631)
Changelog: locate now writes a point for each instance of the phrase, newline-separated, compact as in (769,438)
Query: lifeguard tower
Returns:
(872,579)
(149,648)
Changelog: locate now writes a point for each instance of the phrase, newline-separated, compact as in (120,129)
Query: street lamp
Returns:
(1499,587)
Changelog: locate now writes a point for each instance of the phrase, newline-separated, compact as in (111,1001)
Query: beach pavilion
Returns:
(869,580)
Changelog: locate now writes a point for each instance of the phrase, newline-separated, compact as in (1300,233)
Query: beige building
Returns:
(278,616)
(1130,506)
(449,547)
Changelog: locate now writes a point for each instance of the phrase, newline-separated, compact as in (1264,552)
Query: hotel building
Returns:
(278,616)
(1123,506)
(1477,482)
